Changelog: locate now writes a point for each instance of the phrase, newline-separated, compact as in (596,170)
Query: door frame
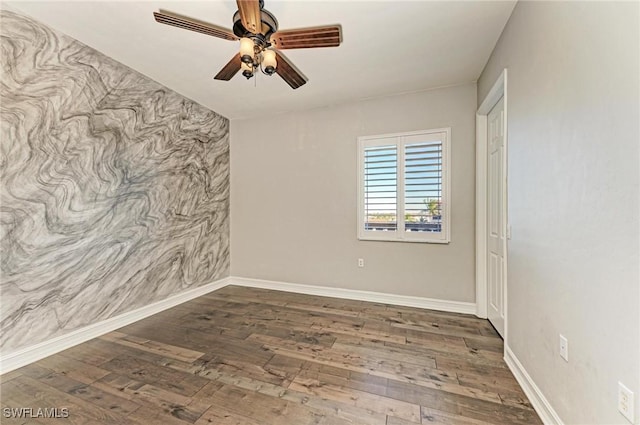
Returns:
(498,90)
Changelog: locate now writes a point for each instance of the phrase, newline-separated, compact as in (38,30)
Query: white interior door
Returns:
(495,217)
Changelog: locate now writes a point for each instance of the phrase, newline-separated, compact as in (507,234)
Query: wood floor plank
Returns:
(174,405)
(353,361)
(112,402)
(433,351)
(487,382)
(450,386)
(9,376)
(260,357)
(166,378)
(14,399)
(152,415)
(268,410)
(244,369)
(435,416)
(290,329)
(354,380)
(165,350)
(222,416)
(81,411)
(386,352)
(516,399)
(462,405)
(341,411)
(91,352)
(379,404)
(73,368)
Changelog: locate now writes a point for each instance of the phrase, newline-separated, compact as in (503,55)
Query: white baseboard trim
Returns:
(46,348)
(352,294)
(537,399)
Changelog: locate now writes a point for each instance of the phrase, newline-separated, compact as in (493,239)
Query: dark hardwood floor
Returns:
(257,357)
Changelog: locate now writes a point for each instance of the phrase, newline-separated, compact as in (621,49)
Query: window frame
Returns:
(400,140)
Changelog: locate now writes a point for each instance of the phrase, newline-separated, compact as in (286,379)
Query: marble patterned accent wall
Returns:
(114,189)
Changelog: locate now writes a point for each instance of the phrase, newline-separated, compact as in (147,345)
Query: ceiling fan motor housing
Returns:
(269,26)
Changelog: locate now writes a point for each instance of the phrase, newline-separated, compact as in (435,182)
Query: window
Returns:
(403,187)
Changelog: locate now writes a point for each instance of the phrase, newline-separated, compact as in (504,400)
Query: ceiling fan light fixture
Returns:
(247,70)
(246,50)
(261,41)
(269,62)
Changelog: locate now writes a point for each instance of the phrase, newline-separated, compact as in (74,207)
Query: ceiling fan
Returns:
(260,41)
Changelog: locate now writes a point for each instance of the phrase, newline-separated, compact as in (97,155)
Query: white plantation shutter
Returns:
(403,187)
(380,188)
(423,187)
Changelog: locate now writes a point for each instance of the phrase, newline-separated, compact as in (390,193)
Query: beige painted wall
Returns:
(294,198)
(573,160)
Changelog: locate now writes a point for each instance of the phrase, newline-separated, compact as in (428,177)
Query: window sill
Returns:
(389,239)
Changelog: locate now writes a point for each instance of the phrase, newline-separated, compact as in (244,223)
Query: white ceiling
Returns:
(389,47)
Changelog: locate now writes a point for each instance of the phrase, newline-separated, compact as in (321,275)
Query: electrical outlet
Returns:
(564,348)
(360,262)
(625,401)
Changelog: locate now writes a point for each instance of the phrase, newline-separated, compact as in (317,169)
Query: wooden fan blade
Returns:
(289,72)
(230,69)
(305,38)
(250,15)
(173,19)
